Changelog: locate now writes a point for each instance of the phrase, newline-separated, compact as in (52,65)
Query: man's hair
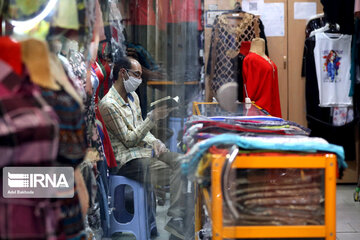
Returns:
(121,62)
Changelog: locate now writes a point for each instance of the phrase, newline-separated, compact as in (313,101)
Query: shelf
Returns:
(171,83)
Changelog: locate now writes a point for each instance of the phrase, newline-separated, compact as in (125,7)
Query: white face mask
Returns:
(132,83)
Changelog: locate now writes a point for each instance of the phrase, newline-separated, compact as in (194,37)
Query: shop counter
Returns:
(319,180)
(264,194)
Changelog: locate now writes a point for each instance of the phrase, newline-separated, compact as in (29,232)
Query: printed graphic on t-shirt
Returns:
(332,65)
(332,55)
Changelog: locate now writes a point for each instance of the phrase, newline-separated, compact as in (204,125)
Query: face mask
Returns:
(132,83)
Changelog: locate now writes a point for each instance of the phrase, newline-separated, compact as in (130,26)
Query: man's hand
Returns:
(161,113)
(159,148)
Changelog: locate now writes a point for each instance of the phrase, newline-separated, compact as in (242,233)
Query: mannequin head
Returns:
(258,46)
(227,96)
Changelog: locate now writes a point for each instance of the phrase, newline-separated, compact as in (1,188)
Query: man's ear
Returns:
(123,73)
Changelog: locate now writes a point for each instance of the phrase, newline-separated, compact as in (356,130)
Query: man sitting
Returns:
(133,144)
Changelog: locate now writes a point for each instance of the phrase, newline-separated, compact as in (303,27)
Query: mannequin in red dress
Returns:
(258,47)
(261,78)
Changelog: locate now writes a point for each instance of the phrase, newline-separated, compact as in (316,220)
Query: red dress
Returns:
(261,81)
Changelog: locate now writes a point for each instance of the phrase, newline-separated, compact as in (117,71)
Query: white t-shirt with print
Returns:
(332,54)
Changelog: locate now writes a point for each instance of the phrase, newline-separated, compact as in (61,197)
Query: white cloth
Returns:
(342,116)
(332,54)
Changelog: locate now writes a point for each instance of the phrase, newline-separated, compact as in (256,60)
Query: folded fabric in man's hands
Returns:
(168,101)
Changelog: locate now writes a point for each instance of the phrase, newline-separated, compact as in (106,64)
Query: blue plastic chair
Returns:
(120,219)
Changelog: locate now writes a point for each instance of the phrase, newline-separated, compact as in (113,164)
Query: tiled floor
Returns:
(347,214)
(161,220)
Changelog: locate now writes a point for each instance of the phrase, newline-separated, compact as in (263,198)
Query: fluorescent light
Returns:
(21,26)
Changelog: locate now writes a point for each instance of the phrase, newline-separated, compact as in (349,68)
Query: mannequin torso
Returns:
(261,79)
(258,47)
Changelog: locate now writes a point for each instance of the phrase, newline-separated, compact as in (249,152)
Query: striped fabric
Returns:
(106,83)
(129,133)
(28,126)
(33,218)
(37,218)
(109,153)
(72,143)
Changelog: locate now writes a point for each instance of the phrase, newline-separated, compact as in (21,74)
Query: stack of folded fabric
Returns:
(199,127)
(278,197)
(266,196)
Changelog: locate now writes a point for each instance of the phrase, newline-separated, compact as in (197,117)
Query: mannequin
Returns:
(258,47)
(261,78)
(227,96)
(241,26)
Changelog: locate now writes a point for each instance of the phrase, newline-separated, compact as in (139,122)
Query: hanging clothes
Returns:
(33,140)
(357,6)
(96,69)
(355,61)
(182,35)
(29,126)
(226,39)
(143,12)
(106,83)
(66,15)
(333,61)
(11,54)
(72,144)
(320,119)
(32,218)
(92,134)
(261,80)
(314,23)
(75,69)
(342,115)
(71,225)
(109,153)
(341,12)
(116,29)
(238,64)
(311,86)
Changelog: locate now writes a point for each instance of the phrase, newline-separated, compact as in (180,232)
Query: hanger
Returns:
(323,29)
(319,15)
(333,28)
(237,7)
(234,13)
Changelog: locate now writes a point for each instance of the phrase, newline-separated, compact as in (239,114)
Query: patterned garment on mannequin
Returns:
(226,40)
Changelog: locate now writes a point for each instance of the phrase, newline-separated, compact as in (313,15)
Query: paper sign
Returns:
(253,6)
(273,19)
(304,10)
(213,7)
(211,15)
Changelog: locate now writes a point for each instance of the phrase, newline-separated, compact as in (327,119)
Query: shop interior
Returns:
(180,119)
